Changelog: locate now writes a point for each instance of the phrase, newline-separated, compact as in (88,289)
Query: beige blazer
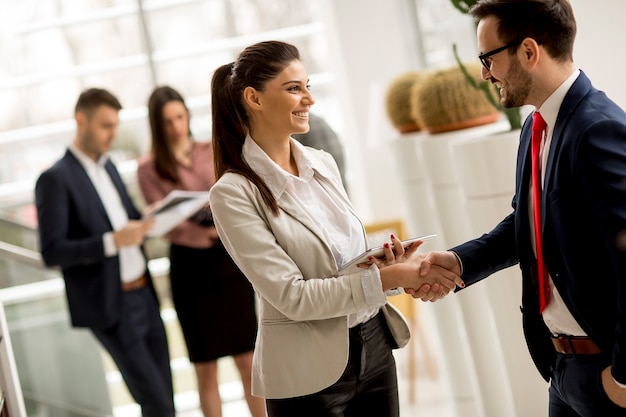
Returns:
(302,344)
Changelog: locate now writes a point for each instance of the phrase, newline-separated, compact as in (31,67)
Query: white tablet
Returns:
(377,252)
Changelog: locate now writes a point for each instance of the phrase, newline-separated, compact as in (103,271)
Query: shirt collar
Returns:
(550,108)
(274,176)
(86,161)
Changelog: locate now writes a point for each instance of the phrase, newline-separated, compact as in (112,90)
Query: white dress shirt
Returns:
(342,231)
(132,262)
(556,314)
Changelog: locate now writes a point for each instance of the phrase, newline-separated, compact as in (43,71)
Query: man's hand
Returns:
(615,393)
(133,233)
(436,264)
(444,259)
(408,275)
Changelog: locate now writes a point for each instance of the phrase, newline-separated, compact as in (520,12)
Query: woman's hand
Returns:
(395,252)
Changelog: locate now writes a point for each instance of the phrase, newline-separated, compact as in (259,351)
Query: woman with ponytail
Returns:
(325,340)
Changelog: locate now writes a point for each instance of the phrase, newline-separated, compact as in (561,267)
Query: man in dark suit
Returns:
(577,335)
(89,226)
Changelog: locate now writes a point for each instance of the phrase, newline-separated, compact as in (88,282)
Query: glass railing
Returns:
(62,370)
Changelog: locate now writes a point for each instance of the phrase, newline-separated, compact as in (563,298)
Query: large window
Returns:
(440,25)
(53,49)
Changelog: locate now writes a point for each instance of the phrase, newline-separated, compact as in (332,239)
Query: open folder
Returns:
(174,209)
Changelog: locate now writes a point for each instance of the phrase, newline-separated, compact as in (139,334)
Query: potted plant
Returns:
(397,101)
(513,115)
(445,101)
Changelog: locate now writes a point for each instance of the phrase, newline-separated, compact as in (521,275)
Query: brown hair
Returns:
(255,66)
(92,98)
(164,161)
(549,22)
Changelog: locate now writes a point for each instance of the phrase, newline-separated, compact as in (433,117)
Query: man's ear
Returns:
(81,120)
(251,97)
(531,51)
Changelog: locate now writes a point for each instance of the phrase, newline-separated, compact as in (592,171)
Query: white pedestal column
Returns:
(423,218)
(486,170)
(442,178)
(477,314)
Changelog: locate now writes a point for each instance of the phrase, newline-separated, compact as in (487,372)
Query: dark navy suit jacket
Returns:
(72,221)
(584,217)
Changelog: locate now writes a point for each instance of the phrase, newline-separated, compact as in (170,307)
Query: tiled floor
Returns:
(430,399)
(425,394)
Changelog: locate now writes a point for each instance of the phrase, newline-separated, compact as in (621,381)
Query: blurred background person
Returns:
(322,136)
(89,226)
(213,300)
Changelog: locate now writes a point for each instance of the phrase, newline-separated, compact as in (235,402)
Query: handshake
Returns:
(441,271)
(429,276)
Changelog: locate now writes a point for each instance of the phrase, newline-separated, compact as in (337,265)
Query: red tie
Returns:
(539,126)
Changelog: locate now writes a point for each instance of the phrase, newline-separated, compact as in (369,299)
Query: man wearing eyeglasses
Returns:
(572,239)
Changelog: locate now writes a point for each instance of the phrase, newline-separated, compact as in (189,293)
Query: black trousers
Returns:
(368,386)
(138,346)
(576,388)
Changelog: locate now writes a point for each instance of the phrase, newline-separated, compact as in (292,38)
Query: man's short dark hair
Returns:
(90,99)
(549,22)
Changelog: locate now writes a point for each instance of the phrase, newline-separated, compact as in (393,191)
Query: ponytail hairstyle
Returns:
(255,66)
(164,160)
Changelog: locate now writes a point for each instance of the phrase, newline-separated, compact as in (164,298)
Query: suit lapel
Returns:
(576,93)
(89,190)
(526,167)
(85,185)
(121,189)
(524,171)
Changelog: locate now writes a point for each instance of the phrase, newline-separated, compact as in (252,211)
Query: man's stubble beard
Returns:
(517,96)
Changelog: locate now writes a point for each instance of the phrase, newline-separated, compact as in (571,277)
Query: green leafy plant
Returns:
(513,115)
(463,5)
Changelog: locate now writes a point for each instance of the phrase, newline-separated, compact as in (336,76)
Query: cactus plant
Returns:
(397,101)
(445,101)
(513,115)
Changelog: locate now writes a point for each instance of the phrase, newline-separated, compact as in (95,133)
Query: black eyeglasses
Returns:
(485,58)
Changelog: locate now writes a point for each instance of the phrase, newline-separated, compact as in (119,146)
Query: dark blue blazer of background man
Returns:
(72,222)
(583,216)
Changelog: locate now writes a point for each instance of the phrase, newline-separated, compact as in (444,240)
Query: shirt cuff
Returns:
(109,244)
(373,287)
(458,258)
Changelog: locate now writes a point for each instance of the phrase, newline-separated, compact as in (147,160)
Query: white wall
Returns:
(600,44)
(370,44)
